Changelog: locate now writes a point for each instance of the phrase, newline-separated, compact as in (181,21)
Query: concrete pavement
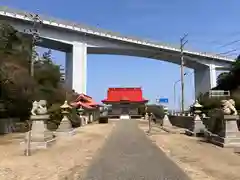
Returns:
(129,155)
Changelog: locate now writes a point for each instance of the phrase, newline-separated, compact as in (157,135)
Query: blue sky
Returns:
(209,24)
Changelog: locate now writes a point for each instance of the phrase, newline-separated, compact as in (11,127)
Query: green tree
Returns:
(230,80)
(16,84)
(47,56)
(222,77)
(48,75)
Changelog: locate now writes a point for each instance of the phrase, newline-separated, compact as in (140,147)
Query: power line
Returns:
(216,43)
(234,54)
(230,43)
(228,51)
(224,53)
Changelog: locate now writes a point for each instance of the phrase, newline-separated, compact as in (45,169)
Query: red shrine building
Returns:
(125,101)
(91,108)
(84,101)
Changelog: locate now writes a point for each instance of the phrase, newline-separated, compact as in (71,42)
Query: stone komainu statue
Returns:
(39,107)
(228,107)
(217,115)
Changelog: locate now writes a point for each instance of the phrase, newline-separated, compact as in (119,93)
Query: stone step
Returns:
(225,142)
(237,149)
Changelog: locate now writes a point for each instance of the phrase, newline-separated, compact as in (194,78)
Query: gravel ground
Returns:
(200,160)
(129,155)
(65,160)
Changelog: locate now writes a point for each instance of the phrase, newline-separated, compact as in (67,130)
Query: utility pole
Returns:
(183,41)
(35,36)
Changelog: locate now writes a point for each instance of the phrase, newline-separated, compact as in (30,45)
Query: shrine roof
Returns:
(87,98)
(84,105)
(84,101)
(130,94)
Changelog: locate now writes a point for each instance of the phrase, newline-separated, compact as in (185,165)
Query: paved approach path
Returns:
(129,155)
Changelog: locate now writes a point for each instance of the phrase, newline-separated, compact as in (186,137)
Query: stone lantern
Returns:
(197,108)
(65,109)
(65,126)
(166,121)
(196,125)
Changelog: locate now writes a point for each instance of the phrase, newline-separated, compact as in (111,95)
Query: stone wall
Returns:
(181,121)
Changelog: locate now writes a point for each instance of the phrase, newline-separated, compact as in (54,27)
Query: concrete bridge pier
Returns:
(76,67)
(205,78)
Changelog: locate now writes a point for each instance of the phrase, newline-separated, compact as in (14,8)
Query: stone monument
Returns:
(40,136)
(65,127)
(229,135)
(196,125)
(166,121)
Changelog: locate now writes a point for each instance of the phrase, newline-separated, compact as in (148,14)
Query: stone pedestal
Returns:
(41,137)
(65,127)
(229,136)
(197,127)
(166,121)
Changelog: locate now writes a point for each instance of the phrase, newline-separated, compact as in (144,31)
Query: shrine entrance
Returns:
(125,102)
(125,109)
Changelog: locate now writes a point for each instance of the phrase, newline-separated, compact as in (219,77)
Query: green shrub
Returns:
(55,116)
(75,119)
(156,110)
(236,96)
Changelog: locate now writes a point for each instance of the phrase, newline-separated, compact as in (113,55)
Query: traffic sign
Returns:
(163,100)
